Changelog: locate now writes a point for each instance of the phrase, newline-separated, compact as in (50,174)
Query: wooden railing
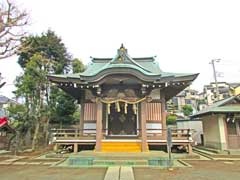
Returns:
(177,134)
(152,134)
(73,133)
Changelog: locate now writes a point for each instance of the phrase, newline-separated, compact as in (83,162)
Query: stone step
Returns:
(203,153)
(120,162)
(206,150)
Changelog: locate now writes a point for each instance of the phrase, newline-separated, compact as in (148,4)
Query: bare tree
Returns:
(12,23)
(1,83)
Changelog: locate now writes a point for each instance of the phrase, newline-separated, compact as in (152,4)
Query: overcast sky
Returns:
(185,35)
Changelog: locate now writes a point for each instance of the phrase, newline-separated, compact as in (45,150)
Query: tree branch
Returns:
(12,22)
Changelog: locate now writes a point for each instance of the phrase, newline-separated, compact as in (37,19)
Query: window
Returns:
(188,101)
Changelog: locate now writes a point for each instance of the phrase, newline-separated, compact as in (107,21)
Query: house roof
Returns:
(234,85)
(4,99)
(222,106)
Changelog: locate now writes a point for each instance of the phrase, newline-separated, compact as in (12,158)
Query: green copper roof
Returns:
(144,68)
(95,68)
(222,106)
(148,67)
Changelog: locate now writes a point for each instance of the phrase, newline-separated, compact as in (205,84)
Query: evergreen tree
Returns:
(187,110)
(48,45)
(77,66)
(45,103)
(32,85)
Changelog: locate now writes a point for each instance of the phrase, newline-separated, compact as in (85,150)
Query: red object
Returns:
(3,121)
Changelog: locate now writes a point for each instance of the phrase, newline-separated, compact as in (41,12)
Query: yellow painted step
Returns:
(121,147)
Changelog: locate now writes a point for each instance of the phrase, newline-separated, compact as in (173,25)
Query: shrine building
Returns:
(123,104)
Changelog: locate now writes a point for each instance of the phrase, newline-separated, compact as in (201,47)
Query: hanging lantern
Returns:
(135,108)
(118,107)
(108,108)
(125,108)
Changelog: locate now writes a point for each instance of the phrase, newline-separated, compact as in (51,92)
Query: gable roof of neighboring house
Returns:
(5,100)
(234,85)
(223,106)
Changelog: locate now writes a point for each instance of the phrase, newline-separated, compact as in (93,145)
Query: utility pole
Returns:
(1,84)
(215,76)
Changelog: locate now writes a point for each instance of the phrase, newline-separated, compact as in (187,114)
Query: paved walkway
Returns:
(119,173)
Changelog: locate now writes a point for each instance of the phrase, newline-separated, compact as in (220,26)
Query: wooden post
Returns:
(75,148)
(81,124)
(189,148)
(143,127)
(190,139)
(226,133)
(99,127)
(163,114)
(76,133)
(55,147)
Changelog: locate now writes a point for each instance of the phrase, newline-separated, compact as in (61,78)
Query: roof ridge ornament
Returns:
(122,57)
(122,48)
(122,53)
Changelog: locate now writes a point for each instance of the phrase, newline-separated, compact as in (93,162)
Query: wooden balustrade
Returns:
(152,134)
(177,134)
(73,133)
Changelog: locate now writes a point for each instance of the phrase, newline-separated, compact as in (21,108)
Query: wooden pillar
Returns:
(81,124)
(163,114)
(226,133)
(143,127)
(99,127)
(189,148)
(75,148)
(55,147)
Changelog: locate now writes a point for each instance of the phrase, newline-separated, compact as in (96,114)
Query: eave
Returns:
(156,79)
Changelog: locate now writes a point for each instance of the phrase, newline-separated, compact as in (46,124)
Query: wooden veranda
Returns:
(82,137)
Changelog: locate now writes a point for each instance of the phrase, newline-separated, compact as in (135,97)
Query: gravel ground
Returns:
(36,172)
(201,170)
